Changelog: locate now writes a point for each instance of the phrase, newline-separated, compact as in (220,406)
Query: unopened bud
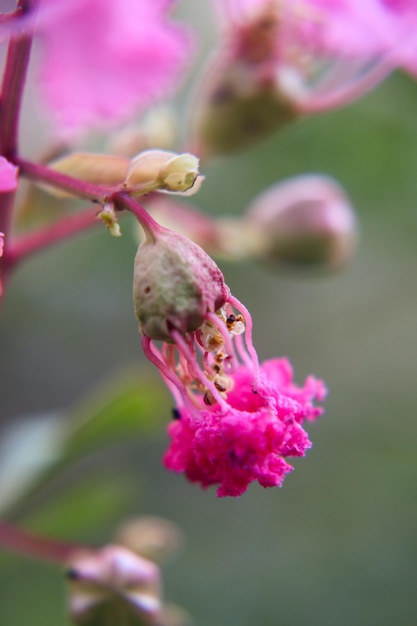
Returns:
(98,169)
(305,221)
(113,581)
(153,538)
(175,284)
(236,106)
(160,170)
(241,100)
(157,129)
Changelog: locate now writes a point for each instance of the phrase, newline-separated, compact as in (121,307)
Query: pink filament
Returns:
(185,350)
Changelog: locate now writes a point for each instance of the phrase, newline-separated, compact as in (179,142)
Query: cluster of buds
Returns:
(304,222)
(150,170)
(278,60)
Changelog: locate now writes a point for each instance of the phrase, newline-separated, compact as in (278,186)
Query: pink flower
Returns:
(105,60)
(236,422)
(322,53)
(250,439)
(8,175)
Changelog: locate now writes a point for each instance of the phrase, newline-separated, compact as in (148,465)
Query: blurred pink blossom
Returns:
(104,60)
(323,53)
(8,175)
(350,28)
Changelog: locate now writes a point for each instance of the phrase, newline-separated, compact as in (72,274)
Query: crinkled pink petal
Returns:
(104,61)
(1,244)
(8,175)
(246,442)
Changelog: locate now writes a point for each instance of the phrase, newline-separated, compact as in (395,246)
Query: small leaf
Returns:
(130,406)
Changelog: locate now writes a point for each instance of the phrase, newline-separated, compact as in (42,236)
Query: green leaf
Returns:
(44,449)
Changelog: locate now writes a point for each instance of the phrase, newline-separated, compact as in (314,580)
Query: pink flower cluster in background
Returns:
(104,60)
(349,28)
(323,53)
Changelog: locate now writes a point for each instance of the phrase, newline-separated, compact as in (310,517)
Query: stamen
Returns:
(175,385)
(248,334)
(354,87)
(184,349)
(223,330)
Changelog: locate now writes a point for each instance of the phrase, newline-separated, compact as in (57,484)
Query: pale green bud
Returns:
(158,128)
(180,173)
(113,584)
(153,538)
(305,221)
(235,108)
(98,169)
(161,170)
(175,284)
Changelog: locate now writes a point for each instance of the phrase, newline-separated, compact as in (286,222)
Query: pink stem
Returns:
(62,229)
(187,353)
(14,78)
(248,332)
(150,226)
(154,357)
(11,93)
(31,545)
(9,17)
(79,188)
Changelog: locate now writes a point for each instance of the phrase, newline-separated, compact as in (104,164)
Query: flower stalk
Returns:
(53,234)
(35,546)
(43,174)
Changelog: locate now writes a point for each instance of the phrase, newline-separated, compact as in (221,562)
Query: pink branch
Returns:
(150,226)
(31,545)
(14,78)
(79,188)
(62,229)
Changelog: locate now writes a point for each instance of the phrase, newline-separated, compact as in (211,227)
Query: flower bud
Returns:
(154,170)
(241,100)
(157,129)
(113,582)
(305,221)
(237,105)
(98,169)
(175,284)
(153,538)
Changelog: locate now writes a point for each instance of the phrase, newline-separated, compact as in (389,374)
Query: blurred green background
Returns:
(338,543)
